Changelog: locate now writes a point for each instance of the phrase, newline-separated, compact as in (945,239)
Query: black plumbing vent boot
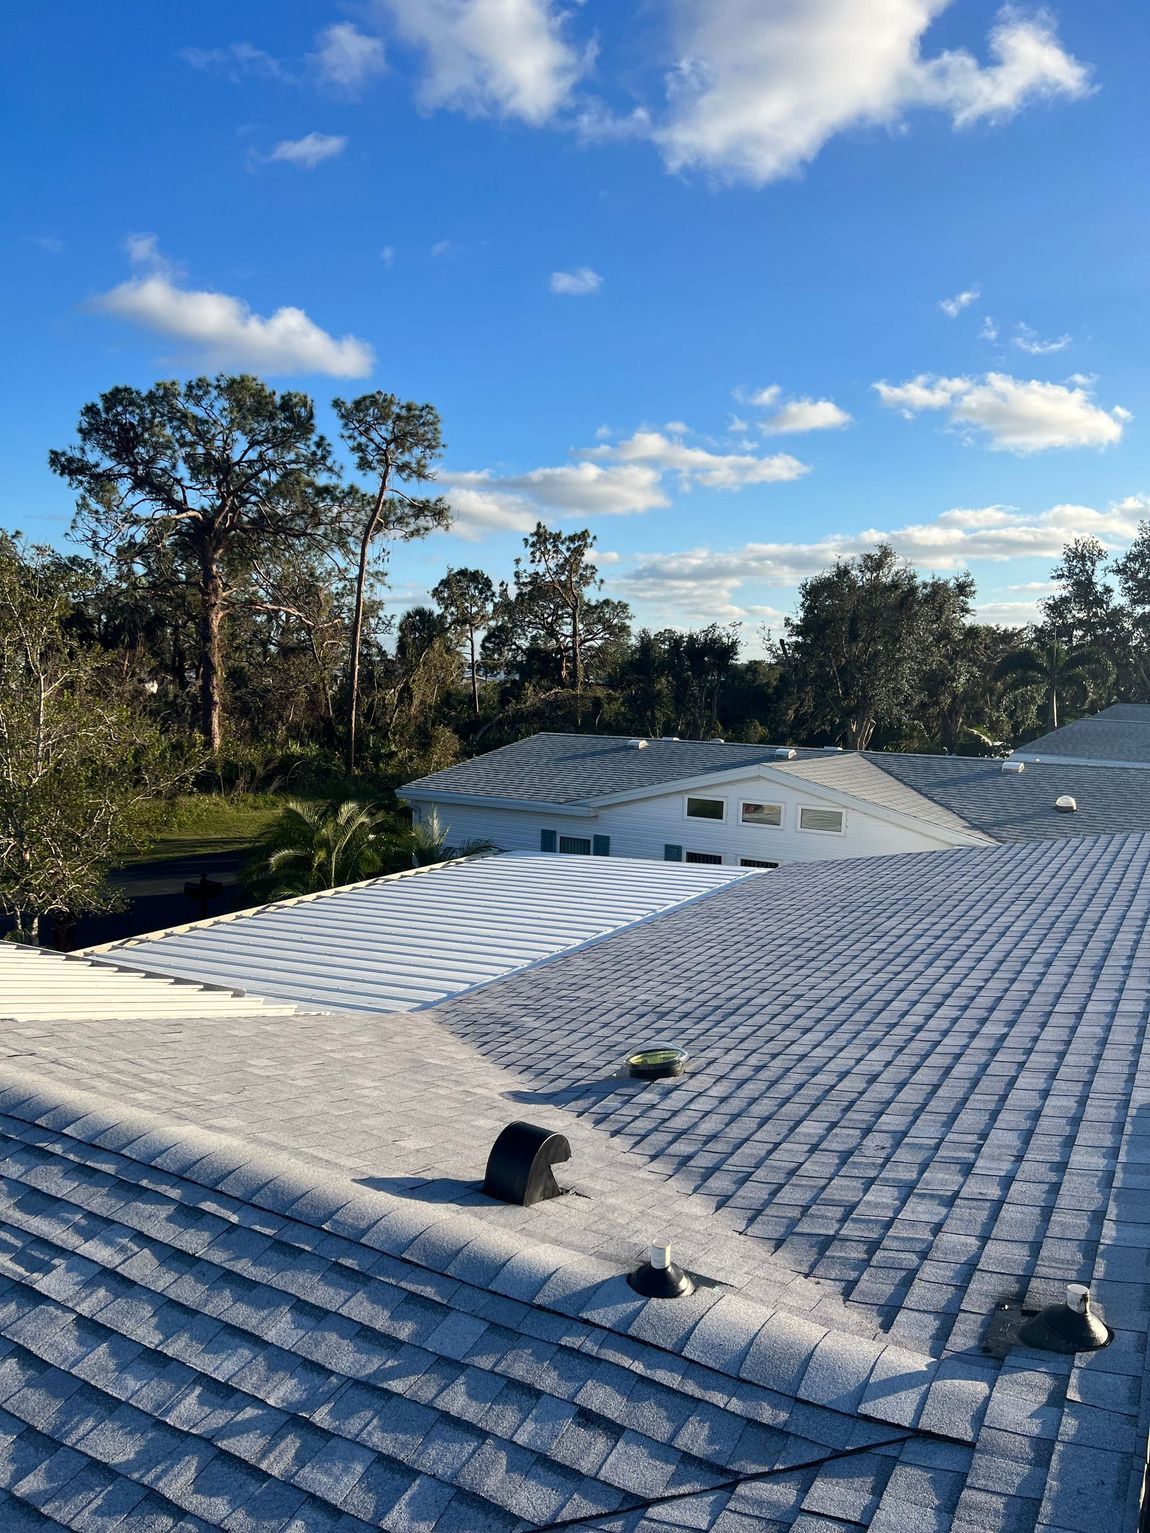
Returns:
(519,1166)
(659,1278)
(1069,1327)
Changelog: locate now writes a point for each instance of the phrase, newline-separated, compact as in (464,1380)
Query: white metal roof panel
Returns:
(411,940)
(37,984)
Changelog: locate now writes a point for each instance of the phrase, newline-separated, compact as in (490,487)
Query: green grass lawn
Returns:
(211,822)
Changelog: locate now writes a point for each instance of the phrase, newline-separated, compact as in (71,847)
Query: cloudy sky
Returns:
(739,284)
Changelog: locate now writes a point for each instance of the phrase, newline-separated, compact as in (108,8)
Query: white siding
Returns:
(642,828)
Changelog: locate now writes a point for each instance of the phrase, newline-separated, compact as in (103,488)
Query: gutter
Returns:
(485,801)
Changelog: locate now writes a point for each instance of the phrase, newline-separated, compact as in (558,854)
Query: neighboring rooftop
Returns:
(1119,733)
(38,984)
(409,940)
(1020,806)
(576,769)
(916,1095)
(952,792)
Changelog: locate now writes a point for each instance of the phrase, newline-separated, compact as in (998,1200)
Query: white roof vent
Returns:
(785,753)
(1014,766)
(832,747)
(1065,804)
(636,745)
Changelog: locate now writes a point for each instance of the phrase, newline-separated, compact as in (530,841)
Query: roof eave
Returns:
(489,801)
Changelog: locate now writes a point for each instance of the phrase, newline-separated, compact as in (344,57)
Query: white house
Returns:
(684,801)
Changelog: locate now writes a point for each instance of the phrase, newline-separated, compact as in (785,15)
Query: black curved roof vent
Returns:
(657,1064)
(519,1166)
(659,1278)
(1069,1327)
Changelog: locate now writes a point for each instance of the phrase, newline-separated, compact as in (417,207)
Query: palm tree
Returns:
(427,841)
(310,847)
(1058,670)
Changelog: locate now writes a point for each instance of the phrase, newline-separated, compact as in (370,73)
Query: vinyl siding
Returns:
(644,828)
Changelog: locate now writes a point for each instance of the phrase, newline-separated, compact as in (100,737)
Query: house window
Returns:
(755,862)
(706,809)
(576,846)
(762,814)
(829,821)
(703,857)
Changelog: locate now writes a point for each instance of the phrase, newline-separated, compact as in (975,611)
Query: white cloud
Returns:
(1030,65)
(306,152)
(953,307)
(501,58)
(224,332)
(805,415)
(387,255)
(703,579)
(698,466)
(484,501)
(143,251)
(442,248)
(761,85)
(347,58)
(50,243)
(1007,614)
(576,284)
(989,330)
(1027,341)
(625,479)
(1017,415)
(236,62)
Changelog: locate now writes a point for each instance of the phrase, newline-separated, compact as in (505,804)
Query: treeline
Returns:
(229,629)
(239,578)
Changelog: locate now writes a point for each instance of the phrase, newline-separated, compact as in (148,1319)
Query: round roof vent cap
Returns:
(1066,804)
(657,1064)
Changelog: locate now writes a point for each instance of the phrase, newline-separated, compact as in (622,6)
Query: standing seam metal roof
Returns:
(401,942)
(37,983)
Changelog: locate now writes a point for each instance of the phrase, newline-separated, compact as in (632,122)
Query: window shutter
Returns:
(672,853)
(601,846)
(821,819)
(546,840)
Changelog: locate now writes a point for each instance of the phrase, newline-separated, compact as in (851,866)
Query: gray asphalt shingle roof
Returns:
(972,790)
(1119,733)
(574,769)
(1019,806)
(918,1090)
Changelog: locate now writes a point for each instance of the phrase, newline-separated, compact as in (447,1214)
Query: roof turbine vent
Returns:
(659,1278)
(1069,1327)
(1066,804)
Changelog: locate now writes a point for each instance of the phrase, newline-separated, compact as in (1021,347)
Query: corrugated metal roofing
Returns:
(407,941)
(37,984)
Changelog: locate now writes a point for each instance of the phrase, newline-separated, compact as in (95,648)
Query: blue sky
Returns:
(674,271)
